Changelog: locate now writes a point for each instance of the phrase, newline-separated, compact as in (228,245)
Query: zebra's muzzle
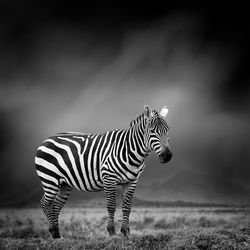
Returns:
(165,156)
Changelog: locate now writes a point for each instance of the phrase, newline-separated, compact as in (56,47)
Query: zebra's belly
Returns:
(97,189)
(88,188)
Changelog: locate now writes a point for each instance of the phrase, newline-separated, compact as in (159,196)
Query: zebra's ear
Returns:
(164,112)
(147,111)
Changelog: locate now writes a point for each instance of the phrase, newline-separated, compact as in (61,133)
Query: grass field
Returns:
(151,228)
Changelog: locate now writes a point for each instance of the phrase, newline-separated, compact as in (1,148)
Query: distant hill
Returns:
(196,188)
(76,199)
(183,189)
(33,199)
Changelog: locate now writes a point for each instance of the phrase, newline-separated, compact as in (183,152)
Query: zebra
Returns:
(94,162)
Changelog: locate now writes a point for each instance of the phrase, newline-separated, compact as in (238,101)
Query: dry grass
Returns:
(151,228)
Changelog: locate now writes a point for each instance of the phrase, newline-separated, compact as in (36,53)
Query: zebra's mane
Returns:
(161,121)
(141,117)
(137,119)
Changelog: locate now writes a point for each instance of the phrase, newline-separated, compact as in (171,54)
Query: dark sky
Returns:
(92,68)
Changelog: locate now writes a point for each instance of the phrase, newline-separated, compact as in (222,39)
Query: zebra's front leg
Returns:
(110,188)
(127,197)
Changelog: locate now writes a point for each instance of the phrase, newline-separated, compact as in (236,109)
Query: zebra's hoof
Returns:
(125,232)
(111,230)
(54,232)
(56,236)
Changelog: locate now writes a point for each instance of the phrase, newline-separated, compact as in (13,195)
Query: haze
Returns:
(58,75)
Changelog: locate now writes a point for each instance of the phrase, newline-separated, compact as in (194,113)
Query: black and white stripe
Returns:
(93,162)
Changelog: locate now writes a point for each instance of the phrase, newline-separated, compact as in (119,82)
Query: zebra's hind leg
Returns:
(60,200)
(127,197)
(110,188)
(47,206)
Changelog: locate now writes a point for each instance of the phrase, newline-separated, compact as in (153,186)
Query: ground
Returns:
(151,228)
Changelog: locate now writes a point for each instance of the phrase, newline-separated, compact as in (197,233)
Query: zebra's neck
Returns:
(137,150)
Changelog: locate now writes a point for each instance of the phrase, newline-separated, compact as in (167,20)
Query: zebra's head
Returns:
(156,136)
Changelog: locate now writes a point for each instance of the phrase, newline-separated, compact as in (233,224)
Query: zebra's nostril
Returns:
(165,156)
